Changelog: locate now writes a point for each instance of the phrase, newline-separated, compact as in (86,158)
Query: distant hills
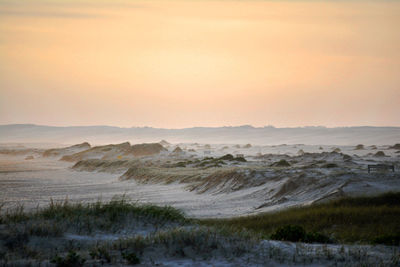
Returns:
(367,135)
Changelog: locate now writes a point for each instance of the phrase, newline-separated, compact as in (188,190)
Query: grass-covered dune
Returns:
(118,232)
(61,217)
(365,220)
(121,232)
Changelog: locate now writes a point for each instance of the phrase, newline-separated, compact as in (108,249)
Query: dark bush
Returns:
(396,146)
(131,257)
(347,157)
(241,159)
(100,253)
(390,239)
(296,233)
(315,237)
(292,233)
(330,165)
(281,163)
(227,157)
(16,240)
(359,147)
(180,164)
(71,260)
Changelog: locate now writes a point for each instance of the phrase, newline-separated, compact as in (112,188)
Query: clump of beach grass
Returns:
(63,216)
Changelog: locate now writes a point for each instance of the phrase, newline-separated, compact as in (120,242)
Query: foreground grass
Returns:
(43,237)
(366,220)
(61,217)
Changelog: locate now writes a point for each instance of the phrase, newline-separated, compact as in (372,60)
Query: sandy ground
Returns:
(34,182)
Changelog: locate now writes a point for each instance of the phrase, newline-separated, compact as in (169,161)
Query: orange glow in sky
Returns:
(190,63)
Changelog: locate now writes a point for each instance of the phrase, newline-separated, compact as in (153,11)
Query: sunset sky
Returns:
(176,64)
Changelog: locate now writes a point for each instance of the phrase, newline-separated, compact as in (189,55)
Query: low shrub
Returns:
(388,239)
(180,164)
(330,165)
(315,237)
(347,157)
(15,240)
(131,257)
(100,253)
(359,147)
(72,259)
(227,157)
(44,228)
(281,163)
(294,233)
(240,159)
(379,154)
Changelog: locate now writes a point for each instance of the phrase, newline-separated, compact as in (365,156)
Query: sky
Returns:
(177,64)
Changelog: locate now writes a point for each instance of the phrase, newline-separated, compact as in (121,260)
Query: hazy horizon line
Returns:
(192,127)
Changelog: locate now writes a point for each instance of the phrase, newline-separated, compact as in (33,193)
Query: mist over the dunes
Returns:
(25,133)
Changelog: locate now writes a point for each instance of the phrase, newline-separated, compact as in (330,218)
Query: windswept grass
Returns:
(33,235)
(63,216)
(113,211)
(40,237)
(348,220)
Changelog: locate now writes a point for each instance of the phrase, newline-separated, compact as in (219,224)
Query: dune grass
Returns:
(365,220)
(117,207)
(62,216)
(39,236)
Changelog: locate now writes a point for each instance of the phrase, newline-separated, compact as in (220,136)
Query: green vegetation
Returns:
(230,157)
(189,242)
(348,220)
(33,235)
(42,236)
(59,217)
(72,259)
(359,147)
(281,163)
(217,162)
(389,239)
(347,157)
(296,233)
(227,157)
(240,159)
(379,154)
(330,165)
(100,253)
(131,257)
(396,146)
(208,162)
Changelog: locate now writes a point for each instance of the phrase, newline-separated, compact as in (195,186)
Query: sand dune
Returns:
(119,151)
(196,181)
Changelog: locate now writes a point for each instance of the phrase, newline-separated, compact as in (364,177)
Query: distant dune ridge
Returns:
(241,134)
(54,152)
(118,150)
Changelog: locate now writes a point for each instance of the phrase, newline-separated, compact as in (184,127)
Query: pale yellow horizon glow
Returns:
(178,64)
